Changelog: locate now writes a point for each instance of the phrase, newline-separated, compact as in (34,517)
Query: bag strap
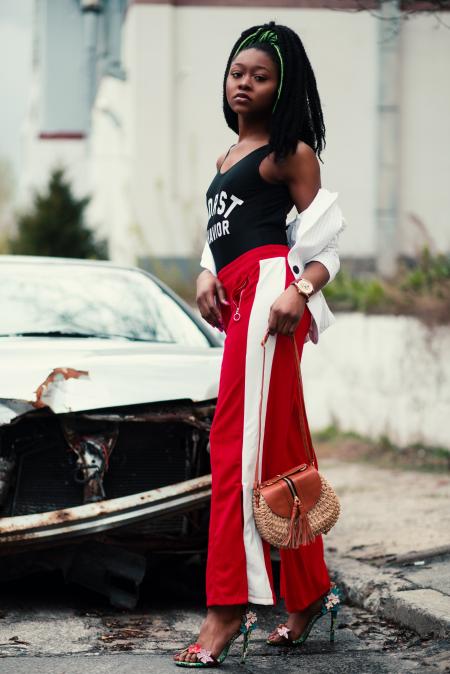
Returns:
(305,436)
(300,390)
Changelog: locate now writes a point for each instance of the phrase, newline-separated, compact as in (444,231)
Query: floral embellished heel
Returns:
(205,657)
(331,604)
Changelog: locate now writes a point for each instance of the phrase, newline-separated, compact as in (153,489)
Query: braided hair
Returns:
(297,113)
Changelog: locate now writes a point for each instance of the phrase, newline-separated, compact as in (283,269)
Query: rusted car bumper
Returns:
(93,518)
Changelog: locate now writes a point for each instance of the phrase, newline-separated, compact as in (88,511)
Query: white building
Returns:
(129,97)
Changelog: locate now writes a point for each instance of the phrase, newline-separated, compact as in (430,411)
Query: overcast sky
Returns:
(15,74)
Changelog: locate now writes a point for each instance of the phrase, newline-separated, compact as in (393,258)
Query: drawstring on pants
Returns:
(237,293)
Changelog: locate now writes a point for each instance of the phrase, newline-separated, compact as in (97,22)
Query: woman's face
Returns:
(254,75)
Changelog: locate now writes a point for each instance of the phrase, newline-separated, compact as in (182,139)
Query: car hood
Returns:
(70,375)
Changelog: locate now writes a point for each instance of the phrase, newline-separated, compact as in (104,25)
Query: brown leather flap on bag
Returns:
(278,495)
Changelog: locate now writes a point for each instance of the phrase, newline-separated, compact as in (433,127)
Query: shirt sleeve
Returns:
(314,234)
(207,260)
(329,257)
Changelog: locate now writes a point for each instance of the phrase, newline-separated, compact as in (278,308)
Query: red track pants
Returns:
(239,567)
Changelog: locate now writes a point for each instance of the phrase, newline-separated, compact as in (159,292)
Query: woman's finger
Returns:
(215,312)
(221,294)
(272,326)
(285,327)
(212,310)
(203,304)
(291,327)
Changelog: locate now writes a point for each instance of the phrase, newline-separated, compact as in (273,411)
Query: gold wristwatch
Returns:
(304,287)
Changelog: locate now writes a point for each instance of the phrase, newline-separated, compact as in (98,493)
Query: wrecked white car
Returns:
(108,384)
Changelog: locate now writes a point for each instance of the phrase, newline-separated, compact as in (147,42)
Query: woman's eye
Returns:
(259,78)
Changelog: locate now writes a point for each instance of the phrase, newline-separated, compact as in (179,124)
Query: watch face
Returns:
(305,285)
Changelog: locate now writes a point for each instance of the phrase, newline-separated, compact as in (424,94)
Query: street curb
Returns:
(386,593)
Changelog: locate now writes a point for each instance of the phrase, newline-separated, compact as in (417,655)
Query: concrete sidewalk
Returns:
(390,550)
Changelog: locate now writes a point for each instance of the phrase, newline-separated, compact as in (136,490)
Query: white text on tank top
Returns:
(221,204)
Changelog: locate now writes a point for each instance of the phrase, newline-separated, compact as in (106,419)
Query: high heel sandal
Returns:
(331,604)
(205,657)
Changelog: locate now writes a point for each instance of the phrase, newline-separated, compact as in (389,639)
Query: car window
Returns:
(88,300)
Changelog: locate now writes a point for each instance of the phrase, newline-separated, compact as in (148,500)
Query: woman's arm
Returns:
(210,291)
(301,173)
(210,294)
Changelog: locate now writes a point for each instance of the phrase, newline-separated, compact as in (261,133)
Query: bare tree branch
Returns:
(408,9)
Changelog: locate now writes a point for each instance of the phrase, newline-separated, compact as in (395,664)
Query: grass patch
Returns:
(422,290)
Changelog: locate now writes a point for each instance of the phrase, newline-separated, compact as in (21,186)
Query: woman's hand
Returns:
(286,312)
(210,294)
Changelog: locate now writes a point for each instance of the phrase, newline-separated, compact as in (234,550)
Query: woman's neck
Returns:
(253,131)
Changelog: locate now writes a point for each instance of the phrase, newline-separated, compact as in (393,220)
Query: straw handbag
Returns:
(292,508)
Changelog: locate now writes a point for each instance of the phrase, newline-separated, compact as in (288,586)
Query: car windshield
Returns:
(77,300)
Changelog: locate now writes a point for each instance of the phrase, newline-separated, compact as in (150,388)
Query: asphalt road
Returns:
(47,627)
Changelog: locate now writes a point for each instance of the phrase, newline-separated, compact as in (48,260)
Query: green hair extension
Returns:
(264,35)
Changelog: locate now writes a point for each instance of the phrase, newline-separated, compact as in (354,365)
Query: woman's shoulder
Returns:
(299,166)
(303,160)
(220,159)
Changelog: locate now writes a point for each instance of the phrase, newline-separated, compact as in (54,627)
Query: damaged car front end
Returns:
(104,433)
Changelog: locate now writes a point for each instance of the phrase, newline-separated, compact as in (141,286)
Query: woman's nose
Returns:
(244,82)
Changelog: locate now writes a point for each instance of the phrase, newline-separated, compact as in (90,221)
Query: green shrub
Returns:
(431,270)
(349,293)
(423,291)
(55,226)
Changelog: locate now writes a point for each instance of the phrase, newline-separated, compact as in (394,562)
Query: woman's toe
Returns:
(180,656)
(279,634)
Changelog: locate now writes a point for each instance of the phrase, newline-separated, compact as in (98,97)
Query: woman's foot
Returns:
(295,625)
(220,625)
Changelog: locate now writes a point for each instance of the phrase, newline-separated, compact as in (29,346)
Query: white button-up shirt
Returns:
(312,235)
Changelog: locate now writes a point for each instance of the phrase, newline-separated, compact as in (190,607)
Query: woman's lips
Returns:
(241,97)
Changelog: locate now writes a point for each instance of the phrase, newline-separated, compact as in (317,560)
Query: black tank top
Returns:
(244,210)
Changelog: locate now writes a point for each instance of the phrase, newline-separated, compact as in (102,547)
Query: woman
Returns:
(252,261)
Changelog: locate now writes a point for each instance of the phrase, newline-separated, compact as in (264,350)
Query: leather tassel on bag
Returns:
(299,532)
(294,532)
(307,535)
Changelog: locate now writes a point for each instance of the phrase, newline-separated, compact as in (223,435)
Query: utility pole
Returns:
(388,160)
(90,9)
